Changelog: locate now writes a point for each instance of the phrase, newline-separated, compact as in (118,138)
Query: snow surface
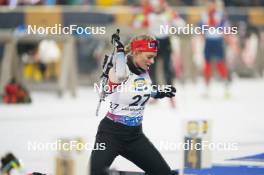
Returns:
(239,119)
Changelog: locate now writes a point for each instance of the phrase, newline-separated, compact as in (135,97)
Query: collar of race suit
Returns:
(132,67)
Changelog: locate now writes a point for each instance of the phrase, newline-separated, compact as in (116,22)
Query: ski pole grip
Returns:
(115,37)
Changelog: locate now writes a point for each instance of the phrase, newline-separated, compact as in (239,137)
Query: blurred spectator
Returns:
(249,61)
(42,62)
(250,48)
(16,93)
(48,58)
(214,43)
(156,13)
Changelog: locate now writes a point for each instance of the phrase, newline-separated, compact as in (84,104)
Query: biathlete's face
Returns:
(145,59)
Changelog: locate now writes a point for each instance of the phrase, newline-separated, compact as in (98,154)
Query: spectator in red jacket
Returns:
(15,93)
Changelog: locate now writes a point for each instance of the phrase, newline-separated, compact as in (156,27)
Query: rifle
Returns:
(107,65)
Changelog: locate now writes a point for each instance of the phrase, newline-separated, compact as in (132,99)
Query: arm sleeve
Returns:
(120,66)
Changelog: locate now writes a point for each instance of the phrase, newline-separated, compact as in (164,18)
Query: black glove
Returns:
(36,173)
(116,41)
(168,91)
(7,160)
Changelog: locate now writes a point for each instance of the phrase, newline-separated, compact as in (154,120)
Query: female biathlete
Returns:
(121,128)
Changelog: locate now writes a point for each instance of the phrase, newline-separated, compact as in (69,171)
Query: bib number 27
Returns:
(140,100)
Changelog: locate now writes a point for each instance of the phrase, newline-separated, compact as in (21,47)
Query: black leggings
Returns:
(133,146)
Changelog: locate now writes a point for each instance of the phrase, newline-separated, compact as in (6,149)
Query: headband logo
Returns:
(144,46)
(152,45)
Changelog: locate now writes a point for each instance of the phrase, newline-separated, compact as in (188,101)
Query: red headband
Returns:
(144,46)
